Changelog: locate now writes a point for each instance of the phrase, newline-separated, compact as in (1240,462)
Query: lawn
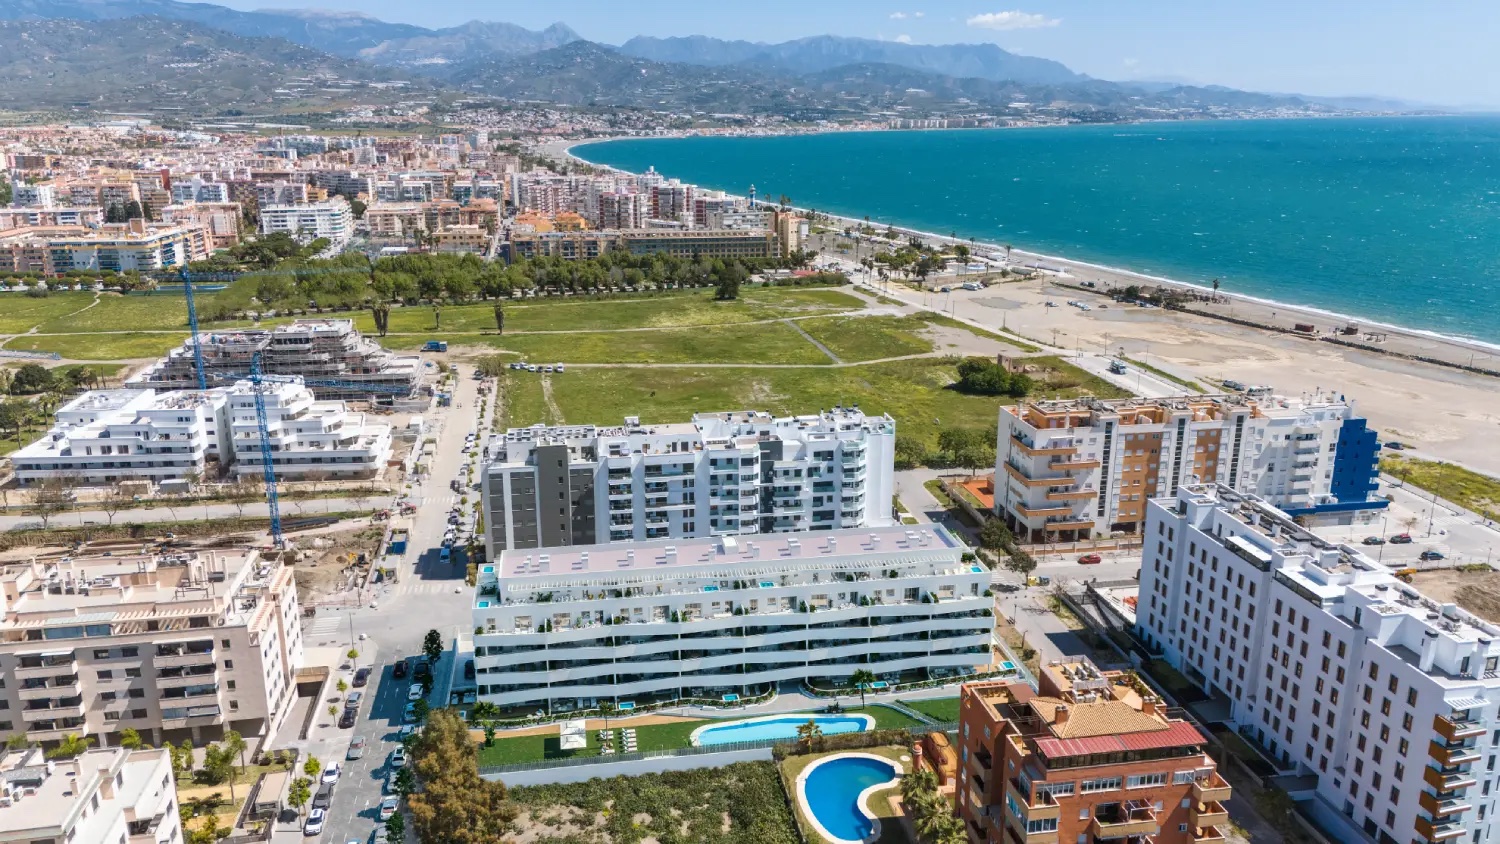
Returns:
(914,392)
(1059,379)
(20,313)
(118,346)
(940,709)
(134,312)
(509,751)
(856,338)
(1467,489)
(768,343)
(743,802)
(524,402)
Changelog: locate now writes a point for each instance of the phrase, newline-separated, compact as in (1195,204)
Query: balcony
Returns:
(1072,494)
(1449,756)
(49,665)
(1044,511)
(1068,524)
(1073,465)
(1440,807)
(1060,448)
(185,679)
(1211,789)
(1208,835)
(1044,807)
(1448,781)
(1457,728)
(1020,477)
(53,713)
(1208,814)
(1133,817)
(1438,830)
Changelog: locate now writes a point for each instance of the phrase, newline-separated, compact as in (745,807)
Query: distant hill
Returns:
(471,41)
(825,52)
(147,62)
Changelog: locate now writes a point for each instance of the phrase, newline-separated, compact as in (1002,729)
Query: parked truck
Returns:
(396,546)
(435,346)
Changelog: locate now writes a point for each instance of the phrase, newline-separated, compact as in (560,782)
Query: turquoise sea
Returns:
(1389,219)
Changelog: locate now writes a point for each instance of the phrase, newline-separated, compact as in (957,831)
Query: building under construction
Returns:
(337,361)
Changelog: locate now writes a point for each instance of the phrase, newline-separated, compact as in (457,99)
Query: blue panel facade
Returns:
(1356,462)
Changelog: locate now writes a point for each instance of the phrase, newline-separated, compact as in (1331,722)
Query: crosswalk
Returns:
(324,626)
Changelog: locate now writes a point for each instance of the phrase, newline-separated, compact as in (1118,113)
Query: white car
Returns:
(415,693)
(330,775)
(314,825)
(388,806)
(398,757)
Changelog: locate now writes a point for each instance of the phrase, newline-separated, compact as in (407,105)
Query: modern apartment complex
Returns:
(331,218)
(744,472)
(1337,669)
(683,243)
(116,247)
(1078,468)
(337,361)
(1088,756)
(106,795)
(309,438)
(175,645)
(708,617)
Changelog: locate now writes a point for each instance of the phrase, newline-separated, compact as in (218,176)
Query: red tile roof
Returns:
(1179,734)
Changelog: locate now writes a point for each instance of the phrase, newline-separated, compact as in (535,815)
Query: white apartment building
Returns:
(1332,665)
(742,472)
(197,189)
(175,645)
(331,218)
(1080,468)
(107,795)
(106,436)
(707,617)
(280,193)
(15,218)
(136,245)
(39,195)
(308,438)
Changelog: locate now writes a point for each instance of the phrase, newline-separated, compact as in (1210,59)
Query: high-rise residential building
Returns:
(281,192)
(106,795)
(672,200)
(1088,756)
(1383,697)
(198,189)
(309,438)
(15,218)
(744,472)
(622,210)
(332,219)
(136,245)
(707,617)
(337,360)
(1079,468)
(176,644)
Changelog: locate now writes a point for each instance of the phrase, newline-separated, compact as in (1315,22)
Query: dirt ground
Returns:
(331,568)
(1477,592)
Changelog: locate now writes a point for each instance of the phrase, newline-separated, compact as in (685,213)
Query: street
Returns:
(426,594)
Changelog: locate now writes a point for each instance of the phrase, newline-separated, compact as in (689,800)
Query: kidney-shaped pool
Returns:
(834,791)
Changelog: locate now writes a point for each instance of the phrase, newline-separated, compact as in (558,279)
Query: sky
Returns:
(1434,52)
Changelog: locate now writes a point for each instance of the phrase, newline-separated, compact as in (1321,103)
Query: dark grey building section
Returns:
(581,487)
(554,519)
(523,506)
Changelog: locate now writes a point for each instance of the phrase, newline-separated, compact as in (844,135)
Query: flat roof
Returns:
(654,555)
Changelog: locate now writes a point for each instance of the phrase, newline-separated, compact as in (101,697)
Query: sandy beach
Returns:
(1444,412)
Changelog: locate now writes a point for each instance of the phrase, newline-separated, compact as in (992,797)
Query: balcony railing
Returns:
(1133,817)
(1439,830)
(1208,814)
(1449,756)
(1457,728)
(1211,789)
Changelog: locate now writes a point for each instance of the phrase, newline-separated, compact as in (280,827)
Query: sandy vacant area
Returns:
(1477,592)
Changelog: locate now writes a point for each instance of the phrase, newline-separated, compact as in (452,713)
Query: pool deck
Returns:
(550,729)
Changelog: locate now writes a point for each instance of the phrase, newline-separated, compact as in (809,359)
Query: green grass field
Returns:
(20,313)
(940,709)
(1471,490)
(1060,379)
(857,338)
(525,403)
(135,312)
(760,344)
(106,347)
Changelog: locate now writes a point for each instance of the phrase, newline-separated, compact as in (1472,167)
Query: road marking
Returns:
(324,626)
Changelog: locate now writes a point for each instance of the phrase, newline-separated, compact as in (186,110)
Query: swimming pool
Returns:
(835,790)
(778,727)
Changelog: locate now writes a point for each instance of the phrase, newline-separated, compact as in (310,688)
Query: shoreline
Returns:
(1465,351)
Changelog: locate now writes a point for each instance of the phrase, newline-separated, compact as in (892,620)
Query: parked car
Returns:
(409,714)
(400,669)
(347,719)
(357,748)
(314,825)
(1373,540)
(390,782)
(1401,539)
(330,775)
(323,797)
(1396,445)
(1090,559)
(398,757)
(361,677)
(415,692)
(352,701)
(388,806)
(1430,555)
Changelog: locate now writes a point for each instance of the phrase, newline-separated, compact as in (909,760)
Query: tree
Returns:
(437,317)
(862,678)
(342,686)
(432,645)
(1021,563)
(499,318)
(218,766)
(130,739)
(808,733)
(114,500)
(208,832)
(235,747)
(382,314)
(298,795)
(182,758)
(32,378)
(406,781)
(395,827)
(312,767)
(606,708)
(420,710)
(454,805)
(53,496)
(19,741)
(995,536)
(71,746)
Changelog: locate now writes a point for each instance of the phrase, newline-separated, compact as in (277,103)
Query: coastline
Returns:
(1272,314)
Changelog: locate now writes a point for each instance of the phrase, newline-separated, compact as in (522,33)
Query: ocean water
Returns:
(1389,219)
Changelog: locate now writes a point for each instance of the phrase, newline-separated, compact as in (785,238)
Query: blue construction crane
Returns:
(268,470)
(187,286)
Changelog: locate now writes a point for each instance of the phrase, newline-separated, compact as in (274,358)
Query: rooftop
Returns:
(49,795)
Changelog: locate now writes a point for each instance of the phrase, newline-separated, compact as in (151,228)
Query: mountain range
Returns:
(812,77)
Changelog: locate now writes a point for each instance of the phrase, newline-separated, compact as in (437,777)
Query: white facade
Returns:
(735,615)
(1337,669)
(197,189)
(307,437)
(1076,469)
(105,436)
(106,795)
(331,218)
(41,195)
(743,472)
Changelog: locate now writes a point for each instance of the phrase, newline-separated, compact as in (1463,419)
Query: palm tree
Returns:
(70,746)
(606,708)
(807,733)
(862,678)
(1007,251)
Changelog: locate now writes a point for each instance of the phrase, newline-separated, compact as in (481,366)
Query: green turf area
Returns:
(857,338)
(886,718)
(509,751)
(1060,379)
(914,392)
(944,710)
(1471,490)
(121,346)
(760,344)
(742,802)
(524,401)
(133,312)
(20,313)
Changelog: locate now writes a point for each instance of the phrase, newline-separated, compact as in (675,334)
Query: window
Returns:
(1101,784)
(1145,780)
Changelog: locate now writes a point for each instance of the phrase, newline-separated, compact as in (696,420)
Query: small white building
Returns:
(106,795)
(695,618)
(308,438)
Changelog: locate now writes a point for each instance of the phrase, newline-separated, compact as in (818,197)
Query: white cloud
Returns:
(903,39)
(1003,21)
(1132,62)
(917,14)
(898,16)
